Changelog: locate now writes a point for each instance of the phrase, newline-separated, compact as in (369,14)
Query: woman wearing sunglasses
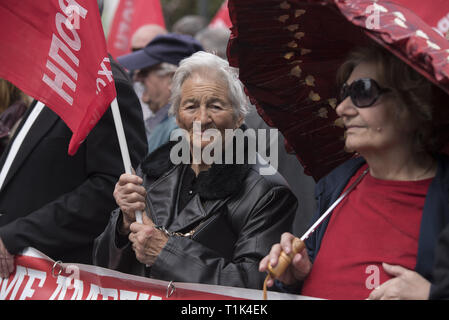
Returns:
(379,240)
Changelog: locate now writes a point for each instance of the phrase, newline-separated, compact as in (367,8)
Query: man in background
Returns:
(154,67)
(143,36)
(189,25)
(214,40)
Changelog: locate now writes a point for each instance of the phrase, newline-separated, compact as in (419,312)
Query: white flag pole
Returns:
(123,145)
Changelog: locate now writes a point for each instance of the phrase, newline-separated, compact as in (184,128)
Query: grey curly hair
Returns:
(207,63)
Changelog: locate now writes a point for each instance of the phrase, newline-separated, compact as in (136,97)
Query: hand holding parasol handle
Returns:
(298,244)
(285,259)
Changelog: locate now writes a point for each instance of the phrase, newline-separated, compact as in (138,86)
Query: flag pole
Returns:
(123,145)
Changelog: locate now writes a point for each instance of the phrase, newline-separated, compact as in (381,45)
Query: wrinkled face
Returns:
(156,91)
(205,99)
(375,128)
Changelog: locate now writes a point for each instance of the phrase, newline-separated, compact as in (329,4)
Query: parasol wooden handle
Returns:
(285,259)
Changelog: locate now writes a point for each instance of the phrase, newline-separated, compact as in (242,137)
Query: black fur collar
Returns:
(220,181)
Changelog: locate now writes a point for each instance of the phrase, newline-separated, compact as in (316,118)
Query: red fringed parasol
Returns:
(288,53)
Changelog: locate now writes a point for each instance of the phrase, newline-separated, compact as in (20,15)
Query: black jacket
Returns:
(58,203)
(440,285)
(238,215)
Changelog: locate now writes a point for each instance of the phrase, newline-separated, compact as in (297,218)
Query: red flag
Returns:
(129,16)
(222,18)
(55,51)
(437,19)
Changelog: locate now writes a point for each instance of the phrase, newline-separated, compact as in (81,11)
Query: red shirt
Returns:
(378,221)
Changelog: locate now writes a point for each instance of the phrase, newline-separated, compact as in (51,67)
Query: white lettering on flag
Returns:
(57,44)
(74,42)
(103,72)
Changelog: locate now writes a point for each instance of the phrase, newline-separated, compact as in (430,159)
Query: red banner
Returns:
(222,18)
(129,16)
(55,51)
(37,277)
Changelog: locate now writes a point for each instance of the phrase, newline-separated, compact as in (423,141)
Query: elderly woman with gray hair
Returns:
(205,223)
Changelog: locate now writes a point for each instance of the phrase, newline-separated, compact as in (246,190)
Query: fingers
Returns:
(394,270)
(301,261)
(6,261)
(273,257)
(135,227)
(376,294)
(146,220)
(301,265)
(263,264)
(140,232)
(129,178)
(3,268)
(389,289)
(140,236)
(130,196)
(129,193)
(394,288)
(10,264)
(286,242)
(270,282)
(128,184)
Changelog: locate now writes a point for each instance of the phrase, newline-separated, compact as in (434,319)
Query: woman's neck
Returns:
(197,168)
(401,165)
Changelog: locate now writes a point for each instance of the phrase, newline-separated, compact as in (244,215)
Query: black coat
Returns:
(58,203)
(440,285)
(8,120)
(237,213)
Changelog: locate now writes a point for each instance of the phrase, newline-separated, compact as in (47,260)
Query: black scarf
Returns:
(220,181)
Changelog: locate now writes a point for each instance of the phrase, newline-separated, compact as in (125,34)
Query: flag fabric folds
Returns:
(55,51)
(129,16)
(221,18)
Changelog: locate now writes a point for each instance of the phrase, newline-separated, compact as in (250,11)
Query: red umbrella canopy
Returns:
(438,19)
(288,53)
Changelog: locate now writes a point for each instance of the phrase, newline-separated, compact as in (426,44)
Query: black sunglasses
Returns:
(363,92)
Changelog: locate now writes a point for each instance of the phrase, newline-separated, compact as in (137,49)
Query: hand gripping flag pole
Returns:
(123,145)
